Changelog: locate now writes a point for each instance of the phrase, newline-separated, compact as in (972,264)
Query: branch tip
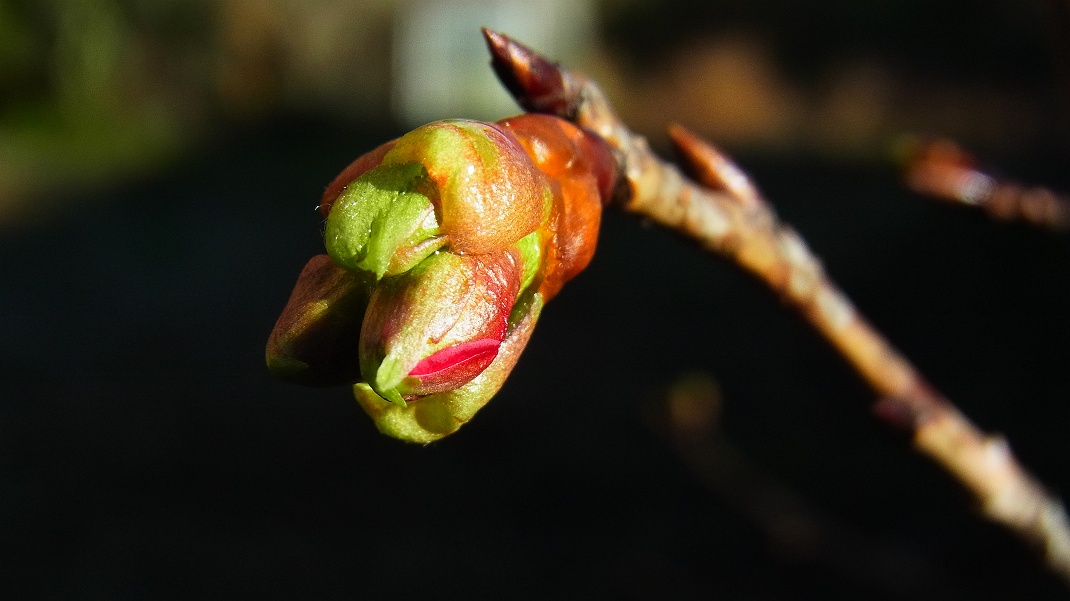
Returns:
(536,83)
(942,169)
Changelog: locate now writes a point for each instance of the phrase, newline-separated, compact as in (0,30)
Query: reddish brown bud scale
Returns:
(535,82)
(711,167)
(602,163)
(559,149)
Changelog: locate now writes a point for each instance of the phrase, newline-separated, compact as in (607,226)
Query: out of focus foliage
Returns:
(88,87)
(93,90)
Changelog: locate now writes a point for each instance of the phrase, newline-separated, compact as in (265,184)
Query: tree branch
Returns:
(943,170)
(727,215)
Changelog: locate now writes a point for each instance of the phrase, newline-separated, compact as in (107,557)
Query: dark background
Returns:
(145,453)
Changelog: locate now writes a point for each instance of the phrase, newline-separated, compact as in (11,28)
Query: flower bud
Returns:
(315,340)
(384,222)
(489,193)
(436,327)
(463,183)
(443,247)
(439,415)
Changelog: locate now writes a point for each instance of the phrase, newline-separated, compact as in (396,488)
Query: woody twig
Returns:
(943,170)
(723,212)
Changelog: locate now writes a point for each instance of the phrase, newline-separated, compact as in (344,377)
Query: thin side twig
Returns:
(943,170)
(727,215)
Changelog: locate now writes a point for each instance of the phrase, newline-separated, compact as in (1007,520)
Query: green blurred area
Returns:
(95,91)
(90,91)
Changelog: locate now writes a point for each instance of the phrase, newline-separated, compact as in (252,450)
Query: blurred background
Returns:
(160,162)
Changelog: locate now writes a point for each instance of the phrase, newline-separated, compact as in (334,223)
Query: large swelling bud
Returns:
(444,246)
